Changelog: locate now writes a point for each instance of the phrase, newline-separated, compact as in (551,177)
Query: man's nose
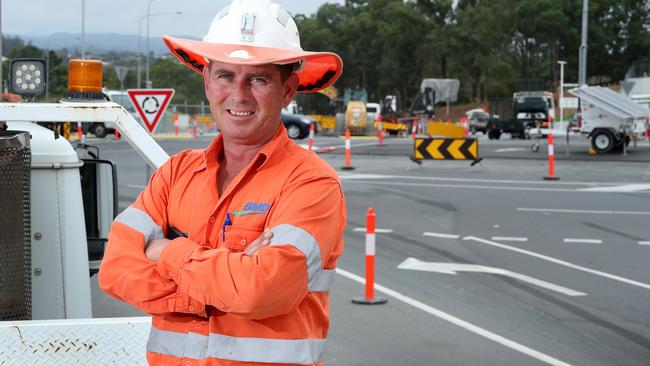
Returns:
(241,91)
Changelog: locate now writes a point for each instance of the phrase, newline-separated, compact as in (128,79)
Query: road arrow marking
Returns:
(454,268)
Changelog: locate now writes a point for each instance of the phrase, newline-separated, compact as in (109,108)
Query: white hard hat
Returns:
(258,32)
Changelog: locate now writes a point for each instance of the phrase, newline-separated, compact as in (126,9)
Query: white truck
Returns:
(56,206)
(609,119)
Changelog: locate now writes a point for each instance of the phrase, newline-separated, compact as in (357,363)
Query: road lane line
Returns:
(597,212)
(583,241)
(443,236)
(137,186)
(463,186)
(473,180)
(508,238)
(457,321)
(622,188)
(644,243)
(377,230)
(561,262)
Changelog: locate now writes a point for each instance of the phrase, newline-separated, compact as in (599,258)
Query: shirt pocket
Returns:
(239,237)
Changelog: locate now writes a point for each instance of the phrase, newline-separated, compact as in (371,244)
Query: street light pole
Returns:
(582,66)
(140,38)
(83,29)
(562,63)
(2,89)
(147,81)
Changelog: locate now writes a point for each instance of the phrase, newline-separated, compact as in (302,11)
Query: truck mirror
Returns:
(99,192)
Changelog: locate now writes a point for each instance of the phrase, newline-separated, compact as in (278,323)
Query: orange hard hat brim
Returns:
(320,69)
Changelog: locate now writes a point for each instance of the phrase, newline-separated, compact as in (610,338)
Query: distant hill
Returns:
(97,42)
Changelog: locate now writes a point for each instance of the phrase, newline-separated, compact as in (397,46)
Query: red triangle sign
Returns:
(150,104)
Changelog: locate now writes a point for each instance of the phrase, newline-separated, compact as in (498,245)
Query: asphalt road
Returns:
(486,265)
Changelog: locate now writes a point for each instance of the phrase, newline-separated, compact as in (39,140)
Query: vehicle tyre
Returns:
(293,130)
(490,135)
(99,130)
(497,135)
(602,141)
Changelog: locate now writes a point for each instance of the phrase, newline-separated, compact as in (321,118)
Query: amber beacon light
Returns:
(85,79)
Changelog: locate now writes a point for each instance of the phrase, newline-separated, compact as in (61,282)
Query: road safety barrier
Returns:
(347,151)
(369,296)
(551,159)
(446,149)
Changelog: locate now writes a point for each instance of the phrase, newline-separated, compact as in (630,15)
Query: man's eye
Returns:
(224,77)
(259,81)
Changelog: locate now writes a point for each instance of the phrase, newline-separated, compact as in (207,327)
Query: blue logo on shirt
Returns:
(253,208)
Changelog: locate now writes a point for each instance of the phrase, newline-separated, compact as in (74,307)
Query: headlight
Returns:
(25,78)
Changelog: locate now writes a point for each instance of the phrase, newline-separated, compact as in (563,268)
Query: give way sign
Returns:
(150,104)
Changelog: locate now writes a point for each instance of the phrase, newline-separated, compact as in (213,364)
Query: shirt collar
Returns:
(213,152)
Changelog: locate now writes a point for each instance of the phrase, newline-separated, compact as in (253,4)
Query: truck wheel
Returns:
(99,130)
(497,135)
(602,141)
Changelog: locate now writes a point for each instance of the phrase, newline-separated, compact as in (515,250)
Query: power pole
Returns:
(582,64)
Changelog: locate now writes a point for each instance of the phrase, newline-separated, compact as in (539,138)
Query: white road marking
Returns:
(508,238)
(443,236)
(453,268)
(583,241)
(623,188)
(584,211)
(137,186)
(561,262)
(457,186)
(377,230)
(510,149)
(501,181)
(644,243)
(457,321)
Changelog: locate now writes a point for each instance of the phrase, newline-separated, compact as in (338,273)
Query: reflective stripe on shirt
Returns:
(265,350)
(140,221)
(320,280)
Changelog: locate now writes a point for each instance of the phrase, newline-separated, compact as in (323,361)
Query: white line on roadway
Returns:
(507,238)
(510,149)
(582,241)
(137,186)
(644,243)
(443,236)
(584,211)
(561,262)
(377,230)
(623,188)
(464,186)
(457,321)
(502,181)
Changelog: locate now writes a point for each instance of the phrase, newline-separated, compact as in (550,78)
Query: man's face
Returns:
(246,101)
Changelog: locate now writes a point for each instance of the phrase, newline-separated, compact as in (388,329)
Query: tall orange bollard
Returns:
(79,131)
(413,129)
(347,151)
(312,127)
(117,134)
(369,298)
(551,159)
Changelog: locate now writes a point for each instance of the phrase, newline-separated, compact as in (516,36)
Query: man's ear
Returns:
(290,88)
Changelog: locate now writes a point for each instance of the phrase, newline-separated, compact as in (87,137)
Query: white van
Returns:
(101,129)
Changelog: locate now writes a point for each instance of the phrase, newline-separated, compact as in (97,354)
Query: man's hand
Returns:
(156,247)
(262,241)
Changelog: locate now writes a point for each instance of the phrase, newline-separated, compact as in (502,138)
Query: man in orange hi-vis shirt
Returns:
(258,220)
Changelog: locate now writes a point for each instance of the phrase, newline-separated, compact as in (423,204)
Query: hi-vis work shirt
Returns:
(211,304)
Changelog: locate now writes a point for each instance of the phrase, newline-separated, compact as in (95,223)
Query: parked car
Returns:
(478,120)
(297,125)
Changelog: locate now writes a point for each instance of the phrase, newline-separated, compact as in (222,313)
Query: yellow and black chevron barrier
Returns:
(445,149)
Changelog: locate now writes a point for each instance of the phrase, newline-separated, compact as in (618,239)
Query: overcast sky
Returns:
(43,17)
